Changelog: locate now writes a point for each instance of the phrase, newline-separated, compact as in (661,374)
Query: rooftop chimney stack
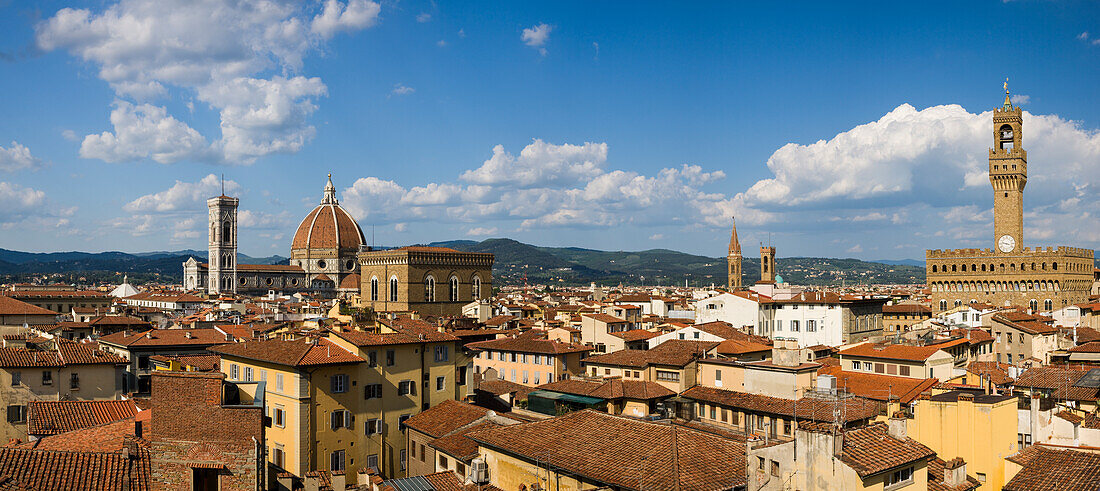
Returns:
(954,472)
(898,426)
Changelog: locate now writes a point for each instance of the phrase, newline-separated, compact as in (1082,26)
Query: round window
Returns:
(321,263)
(294,282)
(349,265)
(241,281)
(269,281)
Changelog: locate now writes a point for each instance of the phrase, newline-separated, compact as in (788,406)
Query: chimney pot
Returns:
(898,426)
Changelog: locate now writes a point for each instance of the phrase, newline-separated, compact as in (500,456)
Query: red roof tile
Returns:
(53,417)
(609,449)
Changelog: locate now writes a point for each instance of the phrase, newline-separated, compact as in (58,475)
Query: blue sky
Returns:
(855,130)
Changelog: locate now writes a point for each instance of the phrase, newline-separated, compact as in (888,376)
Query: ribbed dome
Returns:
(328,226)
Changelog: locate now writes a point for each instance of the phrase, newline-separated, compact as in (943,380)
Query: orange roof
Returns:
(11,306)
(894,351)
(879,387)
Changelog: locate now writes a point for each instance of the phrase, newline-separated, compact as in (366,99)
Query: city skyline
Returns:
(542,124)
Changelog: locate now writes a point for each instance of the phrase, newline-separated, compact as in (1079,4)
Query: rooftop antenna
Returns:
(223,184)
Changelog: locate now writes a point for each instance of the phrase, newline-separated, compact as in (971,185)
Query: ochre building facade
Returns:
(1039,278)
(433,281)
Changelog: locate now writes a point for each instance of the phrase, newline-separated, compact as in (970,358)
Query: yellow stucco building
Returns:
(978,428)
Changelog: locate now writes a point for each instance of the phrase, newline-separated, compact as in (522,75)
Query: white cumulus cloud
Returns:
(536,36)
(17,157)
(181,196)
(144,131)
(240,57)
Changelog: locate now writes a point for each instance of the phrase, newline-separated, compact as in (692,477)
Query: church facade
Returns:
(322,254)
(1039,278)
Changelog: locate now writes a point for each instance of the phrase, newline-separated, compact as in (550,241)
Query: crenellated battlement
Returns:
(1001,114)
(1028,252)
(1007,153)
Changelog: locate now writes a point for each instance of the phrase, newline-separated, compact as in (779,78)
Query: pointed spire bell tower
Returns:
(1008,175)
(733,259)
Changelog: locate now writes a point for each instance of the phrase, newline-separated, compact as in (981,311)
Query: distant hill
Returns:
(104,266)
(516,261)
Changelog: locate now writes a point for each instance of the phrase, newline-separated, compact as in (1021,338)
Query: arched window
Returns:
(933,268)
(227,232)
(393,289)
(954,268)
(958,303)
(943,304)
(429,289)
(1033,305)
(374,288)
(454,289)
(1055,266)
(1048,305)
(476,291)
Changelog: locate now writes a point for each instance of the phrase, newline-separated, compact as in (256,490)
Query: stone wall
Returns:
(190,428)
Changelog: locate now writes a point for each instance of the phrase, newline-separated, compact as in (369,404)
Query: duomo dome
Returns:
(328,226)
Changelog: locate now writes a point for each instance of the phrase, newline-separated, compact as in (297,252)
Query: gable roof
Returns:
(1054,469)
(674,352)
(11,306)
(609,449)
(165,337)
(856,408)
(870,450)
(54,470)
(445,417)
(529,344)
(879,387)
(290,353)
(893,351)
(610,389)
(53,417)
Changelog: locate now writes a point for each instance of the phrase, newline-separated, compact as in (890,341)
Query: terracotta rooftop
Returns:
(893,351)
(857,408)
(997,372)
(1060,379)
(610,450)
(1055,469)
(165,337)
(11,306)
(301,352)
(610,389)
(53,417)
(45,469)
(870,450)
(935,478)
(445,417)
(674,352)
(608,319)
(879,387)
(529,344)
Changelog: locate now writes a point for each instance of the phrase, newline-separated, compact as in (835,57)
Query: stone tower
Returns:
(1008,175)
(767,264)
(222,249)
(733,260)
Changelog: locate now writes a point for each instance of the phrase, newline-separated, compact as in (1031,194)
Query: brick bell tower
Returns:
(767,264)
(1008,175)
(733,260)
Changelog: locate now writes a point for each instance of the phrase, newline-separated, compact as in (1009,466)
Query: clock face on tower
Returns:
(1006,243)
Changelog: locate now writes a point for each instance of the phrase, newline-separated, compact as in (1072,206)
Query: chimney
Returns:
(954,472)
(838,441)
(340,481)
(363,478)
(898,426)
(312,482)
